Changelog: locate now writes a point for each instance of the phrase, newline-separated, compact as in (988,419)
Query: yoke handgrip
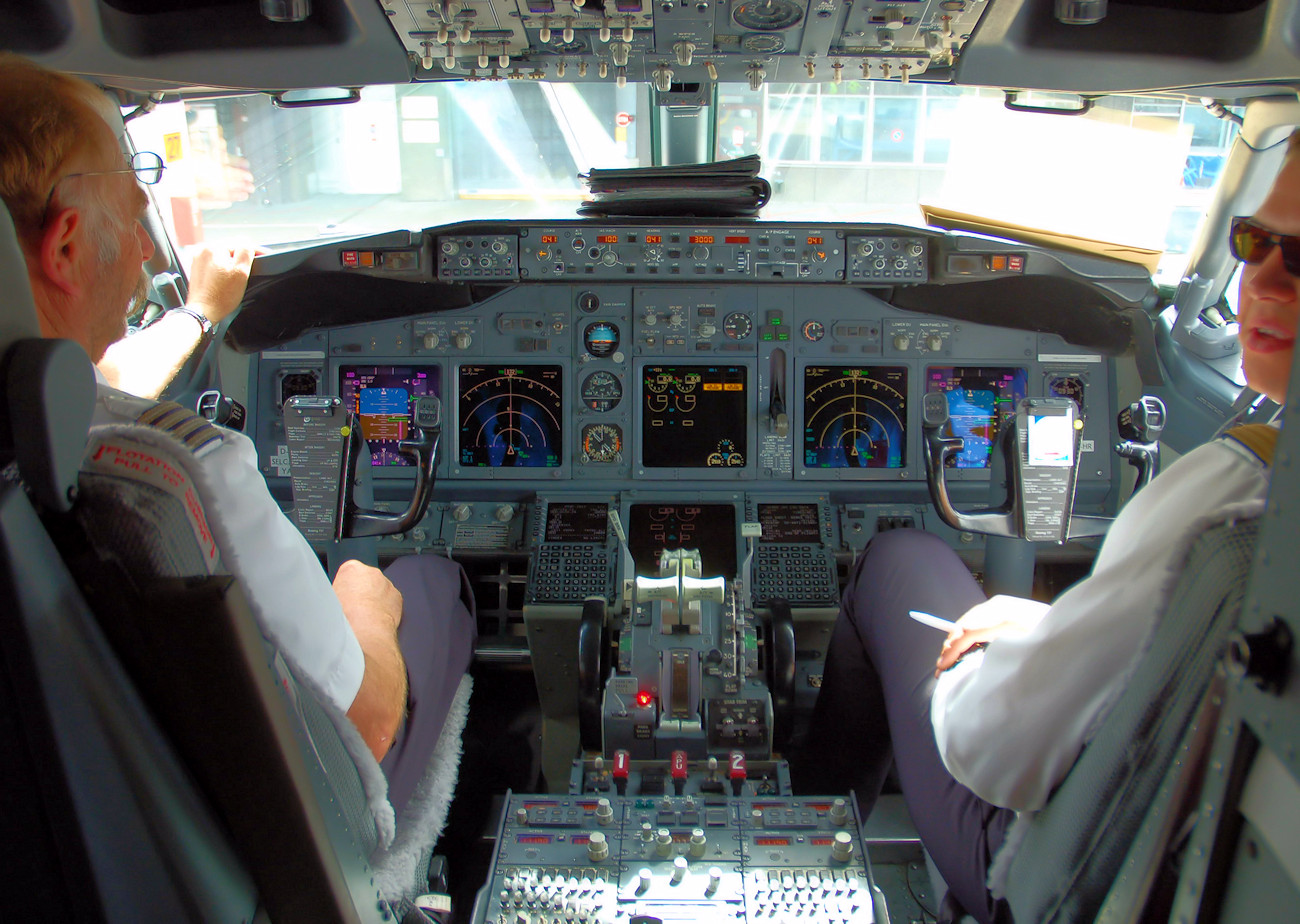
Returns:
(999,521)
(426,417)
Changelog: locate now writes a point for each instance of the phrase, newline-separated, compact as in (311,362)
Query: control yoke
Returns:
(422,444)
(1041,447)
(1140,425)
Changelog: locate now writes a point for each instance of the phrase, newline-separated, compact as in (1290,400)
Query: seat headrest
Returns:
(17,308)
(47,387)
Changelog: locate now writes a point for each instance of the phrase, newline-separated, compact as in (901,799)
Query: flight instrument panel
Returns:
(770,376)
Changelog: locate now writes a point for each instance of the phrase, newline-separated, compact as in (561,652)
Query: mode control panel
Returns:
(585,251)
(682,253)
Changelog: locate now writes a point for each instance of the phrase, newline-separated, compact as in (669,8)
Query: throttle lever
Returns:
(1140,425)
(426,418)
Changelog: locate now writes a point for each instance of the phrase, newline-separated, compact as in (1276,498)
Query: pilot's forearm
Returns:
(381,701)
(144,363)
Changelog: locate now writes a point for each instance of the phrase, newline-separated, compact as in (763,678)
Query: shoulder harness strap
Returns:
(1260,439)
(195,432)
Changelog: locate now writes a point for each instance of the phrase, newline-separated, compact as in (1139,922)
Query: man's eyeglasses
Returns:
(147,166)
(1252,243)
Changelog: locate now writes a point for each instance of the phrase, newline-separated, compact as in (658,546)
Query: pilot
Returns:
(989,731)
(77,208)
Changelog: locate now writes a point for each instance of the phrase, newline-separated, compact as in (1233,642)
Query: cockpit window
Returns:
(1133,171)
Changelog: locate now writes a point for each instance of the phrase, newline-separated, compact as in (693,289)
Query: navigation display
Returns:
(980,400)
(575,522)
(694,416)
(855,417)
(381,397)
(510,416)
(710,528)
(789,523)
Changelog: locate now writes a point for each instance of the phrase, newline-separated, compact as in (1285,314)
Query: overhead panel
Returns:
(694,42)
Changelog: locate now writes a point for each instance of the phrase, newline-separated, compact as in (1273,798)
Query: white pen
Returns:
(934,622)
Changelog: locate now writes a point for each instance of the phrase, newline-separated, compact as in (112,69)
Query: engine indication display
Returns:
(694,416)
(511,416)
(855,417)
(980,400)
(710,528)
(381,397)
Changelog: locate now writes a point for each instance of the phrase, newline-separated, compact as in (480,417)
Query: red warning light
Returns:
(644,698)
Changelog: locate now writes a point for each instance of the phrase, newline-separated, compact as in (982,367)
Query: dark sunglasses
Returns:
(1252,243)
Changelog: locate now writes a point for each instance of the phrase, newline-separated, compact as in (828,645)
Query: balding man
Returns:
(78,208)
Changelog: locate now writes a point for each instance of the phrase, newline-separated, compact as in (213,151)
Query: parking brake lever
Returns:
(1140,425)
(938,448)
(426,418)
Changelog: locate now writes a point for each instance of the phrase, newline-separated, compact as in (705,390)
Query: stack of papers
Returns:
(729,188)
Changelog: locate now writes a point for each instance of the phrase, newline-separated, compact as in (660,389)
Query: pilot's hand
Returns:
(218,277)
(368,598)
(980,625)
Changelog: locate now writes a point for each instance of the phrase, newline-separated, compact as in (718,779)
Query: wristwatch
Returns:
(205,326)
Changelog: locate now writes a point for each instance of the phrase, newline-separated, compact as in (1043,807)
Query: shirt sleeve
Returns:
(288,590)
(1009,722)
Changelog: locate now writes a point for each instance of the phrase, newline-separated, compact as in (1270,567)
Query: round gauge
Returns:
(601,391)
(602,442)
(760,44)
(726,455)
(1067,386)
(767,15)
(737,325)
(588,302)
(600,338)
(658,383)
(814,331)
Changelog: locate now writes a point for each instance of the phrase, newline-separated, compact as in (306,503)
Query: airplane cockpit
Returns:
(651,317)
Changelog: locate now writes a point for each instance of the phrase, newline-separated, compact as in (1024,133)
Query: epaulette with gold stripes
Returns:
(194,431)
(1259,439)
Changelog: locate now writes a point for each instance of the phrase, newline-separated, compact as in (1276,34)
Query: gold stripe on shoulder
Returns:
(188,427)
(1260,439)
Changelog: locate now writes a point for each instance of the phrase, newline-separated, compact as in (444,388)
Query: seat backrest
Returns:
(1069,855)
(152,677)
(1241,862)
(104,822)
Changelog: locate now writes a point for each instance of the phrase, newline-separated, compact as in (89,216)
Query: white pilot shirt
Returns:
(288,591)
(1010,720)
